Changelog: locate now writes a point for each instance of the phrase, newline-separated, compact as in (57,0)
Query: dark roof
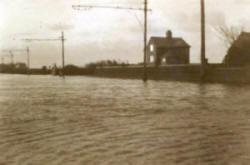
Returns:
(245,35)
(169,42)
(243,40)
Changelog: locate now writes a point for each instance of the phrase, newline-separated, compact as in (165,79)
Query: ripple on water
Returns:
(81,120)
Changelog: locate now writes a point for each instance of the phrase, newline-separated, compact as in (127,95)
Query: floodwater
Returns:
(91,121)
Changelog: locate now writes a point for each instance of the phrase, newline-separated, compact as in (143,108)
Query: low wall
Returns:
(178,73)
(228,75)
(183,73)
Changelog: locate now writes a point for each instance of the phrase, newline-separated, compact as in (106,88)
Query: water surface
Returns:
(82,120)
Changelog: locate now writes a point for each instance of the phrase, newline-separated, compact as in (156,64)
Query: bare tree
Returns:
(228,34)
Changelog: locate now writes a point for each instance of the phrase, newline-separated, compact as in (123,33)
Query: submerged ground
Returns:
(82,120)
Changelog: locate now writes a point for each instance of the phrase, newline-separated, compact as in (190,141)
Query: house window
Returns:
(151,59)
(164,60)
(151,47)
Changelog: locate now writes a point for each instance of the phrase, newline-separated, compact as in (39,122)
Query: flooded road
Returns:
(83,120)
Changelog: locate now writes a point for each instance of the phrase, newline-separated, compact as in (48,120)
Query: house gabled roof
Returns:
(169,42)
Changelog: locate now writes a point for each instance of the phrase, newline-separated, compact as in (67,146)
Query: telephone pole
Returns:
(28,57)
(62,39)
(145,9)
(145,76)
(203,39)
(62,52)
(11,57)
(20,50)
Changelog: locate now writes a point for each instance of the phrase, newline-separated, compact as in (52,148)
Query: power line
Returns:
(145,9)
(86,7)
(20,50)
(62,39)
(11,56)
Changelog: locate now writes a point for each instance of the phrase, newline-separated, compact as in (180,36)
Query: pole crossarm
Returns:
(29,40)
(145,10)
(15,50)
(6,51)
(11,55)
(62,39)
(6,55)
(84,7)
(19,50)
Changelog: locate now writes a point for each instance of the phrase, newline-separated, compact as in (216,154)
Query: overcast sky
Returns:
(100,34)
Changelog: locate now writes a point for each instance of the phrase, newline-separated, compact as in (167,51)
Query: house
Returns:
(167,50)
(239,52)
(20,65)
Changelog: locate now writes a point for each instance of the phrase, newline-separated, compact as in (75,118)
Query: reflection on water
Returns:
(81,120)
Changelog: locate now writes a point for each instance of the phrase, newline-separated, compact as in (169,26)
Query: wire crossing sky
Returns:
(99,34)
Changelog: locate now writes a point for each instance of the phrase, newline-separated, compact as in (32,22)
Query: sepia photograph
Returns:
(125,82)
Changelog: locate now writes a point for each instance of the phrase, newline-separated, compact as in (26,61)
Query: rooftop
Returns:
(243,40)
(169,42)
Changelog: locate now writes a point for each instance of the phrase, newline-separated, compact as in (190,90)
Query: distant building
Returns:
(239,52)
(167,50)
(20,65)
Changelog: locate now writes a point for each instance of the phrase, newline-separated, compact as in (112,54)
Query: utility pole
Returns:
(62,52)
(62,39)
(28,57)
(20,50)
(145,9)
(145,76)
(11,57)
(203,39)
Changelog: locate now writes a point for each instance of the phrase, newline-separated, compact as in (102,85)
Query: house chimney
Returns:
(169,34)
